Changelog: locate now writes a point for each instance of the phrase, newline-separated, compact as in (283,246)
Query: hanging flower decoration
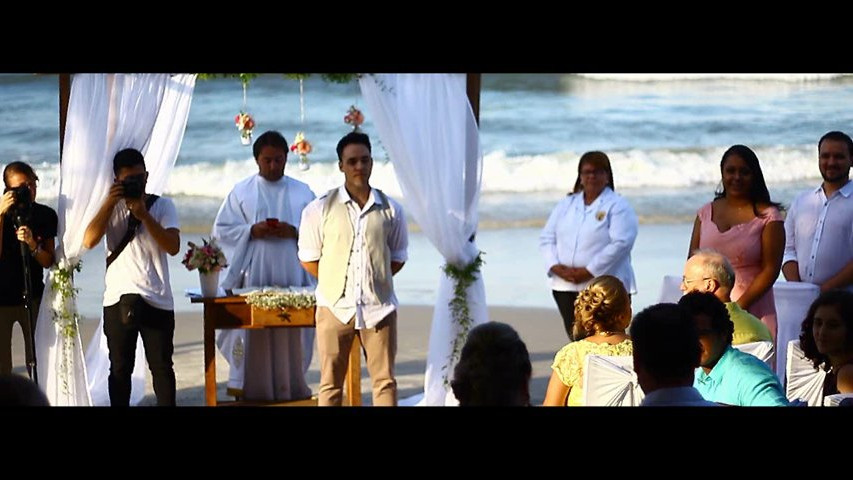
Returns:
(302,147)
(354,117)
(245,123)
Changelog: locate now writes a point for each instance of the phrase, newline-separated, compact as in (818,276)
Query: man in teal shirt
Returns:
(727,375)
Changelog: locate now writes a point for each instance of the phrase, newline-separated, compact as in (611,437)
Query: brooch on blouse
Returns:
(600,215)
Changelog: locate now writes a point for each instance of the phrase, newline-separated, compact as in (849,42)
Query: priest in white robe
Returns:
(257,227)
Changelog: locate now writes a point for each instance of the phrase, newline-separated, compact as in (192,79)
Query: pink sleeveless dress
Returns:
(741,244)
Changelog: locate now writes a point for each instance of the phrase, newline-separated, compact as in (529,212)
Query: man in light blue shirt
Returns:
(727,375)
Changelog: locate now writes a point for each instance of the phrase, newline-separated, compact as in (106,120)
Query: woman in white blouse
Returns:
(590,233)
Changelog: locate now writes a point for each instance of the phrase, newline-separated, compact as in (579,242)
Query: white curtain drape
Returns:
(426,123)
(106,113)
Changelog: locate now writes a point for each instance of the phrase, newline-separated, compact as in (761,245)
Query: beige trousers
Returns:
(379,344)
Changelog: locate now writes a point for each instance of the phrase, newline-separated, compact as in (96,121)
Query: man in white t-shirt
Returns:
(819,225)
(140,231)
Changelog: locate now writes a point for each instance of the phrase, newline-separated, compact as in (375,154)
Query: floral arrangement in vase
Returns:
(207,258)
(245,123)
(354,117)
(302,147)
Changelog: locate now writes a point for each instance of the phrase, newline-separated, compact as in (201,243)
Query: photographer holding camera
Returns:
(140,230)
(22,220)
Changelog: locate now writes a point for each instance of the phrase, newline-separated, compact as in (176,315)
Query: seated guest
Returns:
(727,375)
(602,313)
(494,368)
(18,391)
(709,271)
(666,352)
(827,339)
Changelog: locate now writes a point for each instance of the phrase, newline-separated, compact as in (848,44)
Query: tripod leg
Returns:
(28,328)
(31,316)
(8,316)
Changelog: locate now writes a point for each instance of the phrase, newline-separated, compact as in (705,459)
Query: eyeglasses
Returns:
(686,281)
(589,173)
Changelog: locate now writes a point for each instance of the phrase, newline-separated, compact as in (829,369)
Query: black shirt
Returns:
(43,222)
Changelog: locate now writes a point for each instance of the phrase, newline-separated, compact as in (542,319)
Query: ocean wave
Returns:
(502,173)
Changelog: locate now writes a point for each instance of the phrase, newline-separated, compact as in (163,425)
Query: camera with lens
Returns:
(23,204)
(134,186)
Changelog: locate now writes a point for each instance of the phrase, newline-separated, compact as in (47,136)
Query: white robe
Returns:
(267,364)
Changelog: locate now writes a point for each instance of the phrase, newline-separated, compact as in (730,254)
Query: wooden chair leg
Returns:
(353,379)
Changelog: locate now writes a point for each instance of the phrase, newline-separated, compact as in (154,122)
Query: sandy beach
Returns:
(541,330)
(515,287)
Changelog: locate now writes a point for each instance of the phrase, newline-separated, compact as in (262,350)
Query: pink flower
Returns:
(354,117)
(244,121)
(207,258)
(300,145)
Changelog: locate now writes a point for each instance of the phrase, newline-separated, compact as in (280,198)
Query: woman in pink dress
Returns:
(743,224)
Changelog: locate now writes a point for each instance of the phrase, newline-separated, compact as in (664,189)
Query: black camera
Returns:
(22,196)
(134,186)
(23,204)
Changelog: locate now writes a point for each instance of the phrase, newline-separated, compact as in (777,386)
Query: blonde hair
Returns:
(603,303)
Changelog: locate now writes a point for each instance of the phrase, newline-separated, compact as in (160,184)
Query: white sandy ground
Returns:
(541,329)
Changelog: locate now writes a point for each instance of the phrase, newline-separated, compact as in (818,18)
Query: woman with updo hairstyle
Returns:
(602,313)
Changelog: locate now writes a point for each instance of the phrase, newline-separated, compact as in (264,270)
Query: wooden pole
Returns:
(64,96)
(473,82)
(473,88)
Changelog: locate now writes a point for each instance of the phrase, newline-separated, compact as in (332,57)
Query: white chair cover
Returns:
(804,381)
(764,351)
(792,303)
(835,400)
(670,290)
(610,381)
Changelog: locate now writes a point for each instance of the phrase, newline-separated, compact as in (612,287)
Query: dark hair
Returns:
(129,157)
(598,160)
(666,341)
(842,300)
(758,190)
(494,368)
(270,138)
(839,137)
(352,137)
(19,167)
(18,391)
(706,303)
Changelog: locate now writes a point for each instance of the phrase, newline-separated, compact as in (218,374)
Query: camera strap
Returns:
(132,225)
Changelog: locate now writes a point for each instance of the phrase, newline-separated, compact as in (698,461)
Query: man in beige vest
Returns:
(354,239)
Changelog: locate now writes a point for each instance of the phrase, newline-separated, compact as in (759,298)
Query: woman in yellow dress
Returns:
(602,313)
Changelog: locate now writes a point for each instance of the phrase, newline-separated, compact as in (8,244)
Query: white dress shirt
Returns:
(357,298)
(598,236)
(819,233)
